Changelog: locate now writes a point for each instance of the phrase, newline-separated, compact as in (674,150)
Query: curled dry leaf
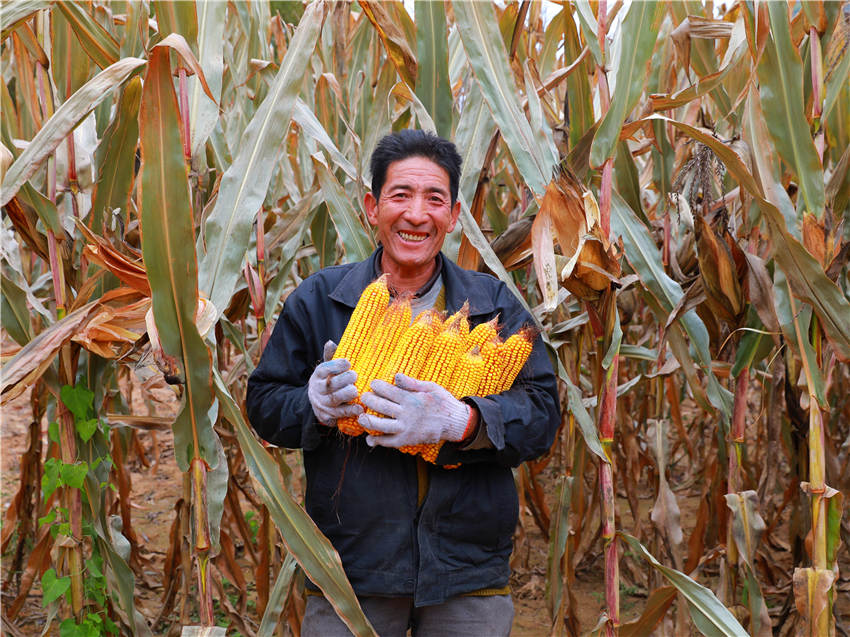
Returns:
(591,260)
(129,271)
(719,273)
(113,330)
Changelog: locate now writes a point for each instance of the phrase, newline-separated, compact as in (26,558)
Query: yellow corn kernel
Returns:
(440,365)
(447,349)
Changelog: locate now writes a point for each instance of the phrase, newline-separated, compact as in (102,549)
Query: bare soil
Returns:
(158,487)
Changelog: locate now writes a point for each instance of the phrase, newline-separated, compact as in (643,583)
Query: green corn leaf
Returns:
(558,534)
(217,480)
(97,42)
(579,95)
(312,128)
(244,184)
(300,534)
(356,240)
(63,121)
(708,614)
(116,158)
(781,86)
(585,422)
(324,237)
(432,79)
(488,59)
(15,315)
(203,111)
(589,28)
(639,30)
(803,320)
(168,249)
(177,17)
(277,597)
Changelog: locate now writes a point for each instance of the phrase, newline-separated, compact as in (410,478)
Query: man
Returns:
(424,546)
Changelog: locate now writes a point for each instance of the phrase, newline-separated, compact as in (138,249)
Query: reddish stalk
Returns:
(202,539)
(607,389)
(817,73)
(184,114)
(736,450)
(260,307)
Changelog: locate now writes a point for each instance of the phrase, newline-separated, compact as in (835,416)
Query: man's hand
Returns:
(418,412)
(331,387)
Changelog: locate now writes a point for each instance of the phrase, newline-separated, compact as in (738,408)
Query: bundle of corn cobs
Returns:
(380,341)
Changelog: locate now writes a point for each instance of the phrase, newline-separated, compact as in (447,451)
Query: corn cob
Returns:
(491,352)
(482,333)
(467,376)
(412,350)
(460,319)
(515,351)
(365,318)
(440,366)
(372,359)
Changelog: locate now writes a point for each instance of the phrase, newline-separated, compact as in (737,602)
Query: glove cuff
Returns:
(460,421)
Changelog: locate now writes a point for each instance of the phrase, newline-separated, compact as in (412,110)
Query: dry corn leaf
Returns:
(719,273)
(101,251)
(112,331)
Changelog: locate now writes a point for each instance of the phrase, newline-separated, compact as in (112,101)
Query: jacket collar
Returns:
(461,285)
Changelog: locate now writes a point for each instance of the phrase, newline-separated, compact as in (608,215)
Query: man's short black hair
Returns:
(414,143)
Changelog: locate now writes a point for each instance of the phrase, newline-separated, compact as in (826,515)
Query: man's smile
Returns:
(413,236)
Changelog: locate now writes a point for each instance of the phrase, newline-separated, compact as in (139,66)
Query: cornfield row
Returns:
(663,183)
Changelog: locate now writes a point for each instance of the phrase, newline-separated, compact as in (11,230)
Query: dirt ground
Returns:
(156,489)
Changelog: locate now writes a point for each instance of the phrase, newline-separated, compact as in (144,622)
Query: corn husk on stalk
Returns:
(382,343)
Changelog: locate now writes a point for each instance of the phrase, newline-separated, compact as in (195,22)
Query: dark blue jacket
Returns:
(365,499)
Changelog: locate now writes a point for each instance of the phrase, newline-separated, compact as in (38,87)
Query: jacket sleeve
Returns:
(276,399)
(521,422)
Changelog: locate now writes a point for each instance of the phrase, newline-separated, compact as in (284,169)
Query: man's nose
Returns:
(416,210)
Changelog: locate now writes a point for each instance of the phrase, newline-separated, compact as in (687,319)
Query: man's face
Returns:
(413,214)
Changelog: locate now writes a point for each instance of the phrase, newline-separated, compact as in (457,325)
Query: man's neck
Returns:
(401,280)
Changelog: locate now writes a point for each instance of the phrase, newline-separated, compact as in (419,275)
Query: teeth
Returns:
(412,237)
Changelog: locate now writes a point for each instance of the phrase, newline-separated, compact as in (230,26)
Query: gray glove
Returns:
(418,412)
(331,387)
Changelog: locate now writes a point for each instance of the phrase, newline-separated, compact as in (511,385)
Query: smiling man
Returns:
(426,548)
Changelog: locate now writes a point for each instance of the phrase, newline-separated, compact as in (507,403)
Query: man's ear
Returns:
(455,215)
(371,206)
